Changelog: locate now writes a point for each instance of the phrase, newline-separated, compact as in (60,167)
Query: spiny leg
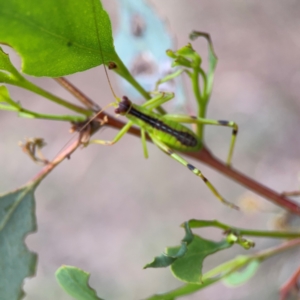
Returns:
(117,137)
(197,172)
(195,120)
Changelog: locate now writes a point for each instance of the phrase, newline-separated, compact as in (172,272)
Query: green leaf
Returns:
(189,267)
(220,272)
(209,278)
(17,220)
(165,260)
(240,277)
(55,37)
(9,74)
(75,282)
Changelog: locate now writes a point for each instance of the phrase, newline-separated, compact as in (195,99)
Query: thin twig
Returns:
(77,93)
(205,156)
(263,254)
(56,161)
(289,285)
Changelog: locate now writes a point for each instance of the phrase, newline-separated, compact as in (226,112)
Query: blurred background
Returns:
(109,211)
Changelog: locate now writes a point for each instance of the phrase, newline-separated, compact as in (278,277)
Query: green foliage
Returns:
(10,75)
(7,103)
(189,267)
(56,38)
(17,220)
(75,282)
(166,259)
(50,37)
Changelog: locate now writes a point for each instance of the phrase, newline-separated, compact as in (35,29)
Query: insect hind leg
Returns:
(196,120)
(196,171)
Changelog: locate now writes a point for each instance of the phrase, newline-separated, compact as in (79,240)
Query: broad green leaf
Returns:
(17,220)
(54,37)
(240,277)
(9,74)
(57,38)
(189,267)
(165,259)
(75,282)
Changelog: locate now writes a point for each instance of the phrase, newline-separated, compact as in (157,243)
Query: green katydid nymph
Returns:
(165,130)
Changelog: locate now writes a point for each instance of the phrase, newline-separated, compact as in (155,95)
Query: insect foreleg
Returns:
(197,172)
(117,137)
(195,120)
(144,142)
(161,98)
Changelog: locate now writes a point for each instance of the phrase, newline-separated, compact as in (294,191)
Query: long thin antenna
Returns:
(100,48)
(106,73)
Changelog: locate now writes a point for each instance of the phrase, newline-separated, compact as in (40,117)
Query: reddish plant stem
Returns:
(89,103)
(207,158)
(204,156)
(66,153)
(290,285)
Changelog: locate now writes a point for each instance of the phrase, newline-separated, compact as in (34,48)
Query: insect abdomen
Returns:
(171,133)
(178,137)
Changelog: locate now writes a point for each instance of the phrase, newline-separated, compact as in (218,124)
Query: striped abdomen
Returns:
(171,133)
